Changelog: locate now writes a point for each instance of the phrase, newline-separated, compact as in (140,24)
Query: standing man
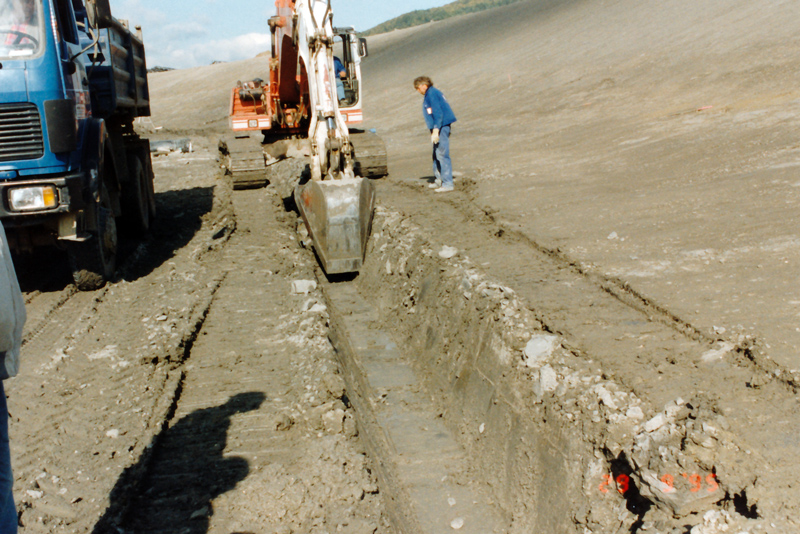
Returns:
(12,319)
(438,117)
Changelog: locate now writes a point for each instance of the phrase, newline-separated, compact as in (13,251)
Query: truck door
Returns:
(76,83)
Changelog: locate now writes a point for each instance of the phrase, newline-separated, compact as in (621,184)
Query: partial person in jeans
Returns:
(12,319)
(438,118)
(341,74)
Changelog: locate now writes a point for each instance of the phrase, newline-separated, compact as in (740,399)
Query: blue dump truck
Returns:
(73,172)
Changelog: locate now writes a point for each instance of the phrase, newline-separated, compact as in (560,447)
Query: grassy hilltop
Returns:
(422,16)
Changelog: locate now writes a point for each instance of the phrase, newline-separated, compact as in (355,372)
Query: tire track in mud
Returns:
(43,310)
(260,408)
(101,370)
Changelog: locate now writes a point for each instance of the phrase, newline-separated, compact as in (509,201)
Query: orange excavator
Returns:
(313,95)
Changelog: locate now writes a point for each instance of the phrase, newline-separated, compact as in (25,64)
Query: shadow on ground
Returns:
(180,217)
(172,487)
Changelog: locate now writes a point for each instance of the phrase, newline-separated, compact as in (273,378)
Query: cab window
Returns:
(21,28)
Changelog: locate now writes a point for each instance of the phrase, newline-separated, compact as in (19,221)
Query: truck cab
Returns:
(72,81)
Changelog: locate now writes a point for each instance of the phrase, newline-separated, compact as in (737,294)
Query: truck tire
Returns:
(151,192)
(136,205)
(94,261)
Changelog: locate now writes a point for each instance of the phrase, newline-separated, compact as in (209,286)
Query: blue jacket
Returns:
(436,110)
(338,68)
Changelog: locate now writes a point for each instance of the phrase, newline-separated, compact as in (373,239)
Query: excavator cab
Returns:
(349,49)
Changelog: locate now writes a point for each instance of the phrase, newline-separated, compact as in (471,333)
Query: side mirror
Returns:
(99,13)
(362,47)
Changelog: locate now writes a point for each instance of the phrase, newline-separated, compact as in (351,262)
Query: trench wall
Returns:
(560,447)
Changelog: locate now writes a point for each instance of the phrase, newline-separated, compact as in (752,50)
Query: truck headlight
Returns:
(38,197)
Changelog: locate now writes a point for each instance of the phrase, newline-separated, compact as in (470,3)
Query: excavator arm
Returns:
(336,206)
(305,27)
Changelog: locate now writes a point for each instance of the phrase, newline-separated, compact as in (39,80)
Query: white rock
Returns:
(318,308)
(482,428)
(606,397)
(634,412)
(303,287)
(717,354)
(708,442)
(110,351)
(457,523)
(35,494)
(548,379)
(451,501)
(655,423)
(448,252)
(613,235)
(539,349)
(113,433)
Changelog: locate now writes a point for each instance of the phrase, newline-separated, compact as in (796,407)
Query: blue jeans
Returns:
(442,166)
(340,89)
(8,512)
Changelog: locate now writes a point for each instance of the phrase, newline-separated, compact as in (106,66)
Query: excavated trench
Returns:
(457,376)
(488,408)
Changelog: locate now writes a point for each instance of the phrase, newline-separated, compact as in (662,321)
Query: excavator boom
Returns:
(307,97)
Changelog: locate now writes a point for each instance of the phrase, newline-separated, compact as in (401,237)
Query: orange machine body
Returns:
(280,107)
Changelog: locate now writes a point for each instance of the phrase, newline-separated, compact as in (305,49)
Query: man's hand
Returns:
(435,136)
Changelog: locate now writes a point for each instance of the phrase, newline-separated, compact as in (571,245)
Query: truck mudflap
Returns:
(338,216)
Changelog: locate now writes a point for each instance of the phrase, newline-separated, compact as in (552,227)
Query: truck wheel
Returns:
(151,195)
(136,196)
(94,261)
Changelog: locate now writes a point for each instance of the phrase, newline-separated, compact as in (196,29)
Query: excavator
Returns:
(302,104)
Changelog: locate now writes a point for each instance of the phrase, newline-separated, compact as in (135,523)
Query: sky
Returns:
(189,33)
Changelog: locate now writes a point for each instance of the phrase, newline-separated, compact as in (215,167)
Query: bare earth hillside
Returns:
(656,144)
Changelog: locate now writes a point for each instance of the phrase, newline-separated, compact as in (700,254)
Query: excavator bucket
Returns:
(338,216)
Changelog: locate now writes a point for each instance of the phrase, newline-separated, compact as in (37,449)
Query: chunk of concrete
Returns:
(303,287)
(448,252)
(548,381)
(717,354)
(539,349)
(655,423)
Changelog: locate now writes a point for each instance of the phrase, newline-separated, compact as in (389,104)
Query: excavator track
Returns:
(370,160)
(245,162)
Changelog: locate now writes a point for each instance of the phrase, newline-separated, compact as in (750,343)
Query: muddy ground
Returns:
(196,393)
(604,312)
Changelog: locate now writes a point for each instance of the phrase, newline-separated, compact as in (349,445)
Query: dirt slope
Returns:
(654,143)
